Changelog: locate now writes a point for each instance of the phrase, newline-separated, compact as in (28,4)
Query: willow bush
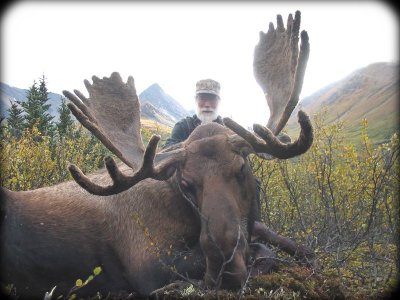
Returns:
(341,200)
(33,161)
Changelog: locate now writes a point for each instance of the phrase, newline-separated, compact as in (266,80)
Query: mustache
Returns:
(207,110)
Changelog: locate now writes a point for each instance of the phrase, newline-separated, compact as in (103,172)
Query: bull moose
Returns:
(153,217)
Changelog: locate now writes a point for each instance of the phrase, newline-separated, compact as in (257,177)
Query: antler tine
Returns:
(269,142)
(122,182)
(298,83)
(279,68)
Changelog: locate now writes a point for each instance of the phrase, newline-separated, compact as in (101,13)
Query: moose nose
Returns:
(229,276)
(226,263)
(236,273)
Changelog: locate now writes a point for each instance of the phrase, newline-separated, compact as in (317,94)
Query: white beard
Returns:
(206,117)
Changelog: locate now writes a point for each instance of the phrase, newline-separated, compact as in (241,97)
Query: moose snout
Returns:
(236,272)
(226,259)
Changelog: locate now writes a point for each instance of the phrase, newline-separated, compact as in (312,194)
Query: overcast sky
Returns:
(176,43)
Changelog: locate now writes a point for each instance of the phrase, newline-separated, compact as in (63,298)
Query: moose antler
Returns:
(279,69)
(122,182)
(270,144)
(112,114)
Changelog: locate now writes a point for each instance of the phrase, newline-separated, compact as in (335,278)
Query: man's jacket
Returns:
(184,128)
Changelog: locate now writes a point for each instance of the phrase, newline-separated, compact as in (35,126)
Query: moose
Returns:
(150,217)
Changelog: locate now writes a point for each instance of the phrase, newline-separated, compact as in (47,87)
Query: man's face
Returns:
(207,107)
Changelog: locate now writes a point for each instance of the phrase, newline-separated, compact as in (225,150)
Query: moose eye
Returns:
(187,185)
(242,173)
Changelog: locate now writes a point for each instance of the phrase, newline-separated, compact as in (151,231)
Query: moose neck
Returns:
(158,211)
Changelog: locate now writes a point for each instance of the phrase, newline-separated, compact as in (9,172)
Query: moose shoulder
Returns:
(154,217)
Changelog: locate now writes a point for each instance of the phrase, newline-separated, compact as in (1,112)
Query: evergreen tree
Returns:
(36,108)
(65,124)
(2,129)
(46,125)
(31,106)
(15,120)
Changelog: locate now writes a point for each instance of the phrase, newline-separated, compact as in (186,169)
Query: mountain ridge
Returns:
(162,101)
(8,92)
(156,105)
(370,92)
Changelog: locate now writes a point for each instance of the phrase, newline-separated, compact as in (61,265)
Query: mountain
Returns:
(156,105)
(150,112)
(8,93)
(371,92)
(167,105)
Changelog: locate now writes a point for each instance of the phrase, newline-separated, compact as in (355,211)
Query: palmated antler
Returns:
(122,182)
(112,114)
(279,69)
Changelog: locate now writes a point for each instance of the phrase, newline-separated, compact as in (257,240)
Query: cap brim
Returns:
(207,92)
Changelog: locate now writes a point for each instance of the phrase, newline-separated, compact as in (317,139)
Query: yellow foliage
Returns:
(34,161)
(26,163)
(149,128)
(341,200)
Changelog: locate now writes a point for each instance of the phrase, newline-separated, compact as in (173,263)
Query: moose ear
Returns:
(240,145)
(166,163)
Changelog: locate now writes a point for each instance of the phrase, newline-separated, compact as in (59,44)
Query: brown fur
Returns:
(53,236)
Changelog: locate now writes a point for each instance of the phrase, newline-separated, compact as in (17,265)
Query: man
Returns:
(207,102)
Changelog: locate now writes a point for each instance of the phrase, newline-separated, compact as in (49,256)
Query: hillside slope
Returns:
(371,92)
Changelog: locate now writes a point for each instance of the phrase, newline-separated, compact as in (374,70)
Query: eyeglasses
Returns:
(207,97)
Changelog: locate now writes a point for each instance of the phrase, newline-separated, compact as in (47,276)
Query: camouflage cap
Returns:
(208,86)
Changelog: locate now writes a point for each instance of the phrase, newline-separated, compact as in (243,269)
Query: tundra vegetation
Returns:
(339,199)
